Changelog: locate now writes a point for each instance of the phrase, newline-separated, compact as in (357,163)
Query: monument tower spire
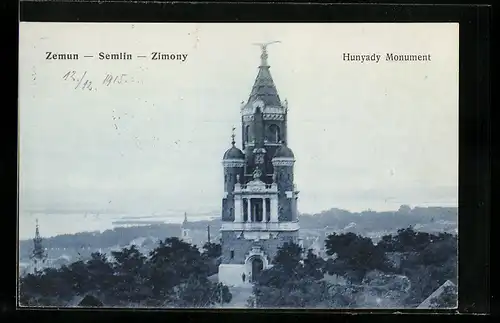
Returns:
(263,55)
(264,88)
(259,204)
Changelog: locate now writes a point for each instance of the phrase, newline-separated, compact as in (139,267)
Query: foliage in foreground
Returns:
(373,280)
(174,274)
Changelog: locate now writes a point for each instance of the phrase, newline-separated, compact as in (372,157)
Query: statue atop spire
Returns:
(263,47)
(264,88)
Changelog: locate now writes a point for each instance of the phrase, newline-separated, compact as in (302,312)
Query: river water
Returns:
(52,224)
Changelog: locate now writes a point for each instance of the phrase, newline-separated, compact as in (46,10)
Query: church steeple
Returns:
(38,255)
(264,88)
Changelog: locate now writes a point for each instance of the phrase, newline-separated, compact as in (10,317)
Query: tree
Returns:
(356,256)
(101,273)
(196,292)
(288,256)
(296,293)
(314,265)
(212,253)
(387,243)
(45,288)
(172,262)
(434,263)
(292,281)
(439,252)
(78,277)
(336,242)
(212,250)
(130,276)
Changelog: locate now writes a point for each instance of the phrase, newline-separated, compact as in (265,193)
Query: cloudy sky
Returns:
(366,136)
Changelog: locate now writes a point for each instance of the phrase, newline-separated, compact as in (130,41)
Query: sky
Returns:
(365,135)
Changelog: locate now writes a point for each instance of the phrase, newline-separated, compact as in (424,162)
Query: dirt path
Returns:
(240,297)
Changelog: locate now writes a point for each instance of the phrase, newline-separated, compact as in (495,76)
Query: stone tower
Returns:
(259,207)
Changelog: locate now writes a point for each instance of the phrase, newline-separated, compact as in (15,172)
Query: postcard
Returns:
(238,165)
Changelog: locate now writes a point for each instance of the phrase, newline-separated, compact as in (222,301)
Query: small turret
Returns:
(284,151)
(233,152)
(283,162)
(233,162)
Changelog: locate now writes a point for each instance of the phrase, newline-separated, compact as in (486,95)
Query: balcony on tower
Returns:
(260,226)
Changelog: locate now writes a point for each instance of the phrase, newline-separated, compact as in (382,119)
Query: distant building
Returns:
(186,230)
(38,257)
(193,234)
(259,206)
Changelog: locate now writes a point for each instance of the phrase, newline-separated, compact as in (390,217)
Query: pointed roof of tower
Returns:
(264,87)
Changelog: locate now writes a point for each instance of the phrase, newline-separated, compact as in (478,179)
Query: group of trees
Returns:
(355,256)
(294,281)
(428,260)
(174,274)
(297,279)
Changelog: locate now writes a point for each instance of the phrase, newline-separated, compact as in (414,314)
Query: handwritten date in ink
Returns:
(116,79)
(81,80)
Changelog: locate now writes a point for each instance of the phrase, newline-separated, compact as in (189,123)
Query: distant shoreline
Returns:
(423,218)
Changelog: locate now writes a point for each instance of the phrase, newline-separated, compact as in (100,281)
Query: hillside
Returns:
(368,223)
(429,219)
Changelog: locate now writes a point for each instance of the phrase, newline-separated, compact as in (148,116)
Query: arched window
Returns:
(247,133)
(274,133)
